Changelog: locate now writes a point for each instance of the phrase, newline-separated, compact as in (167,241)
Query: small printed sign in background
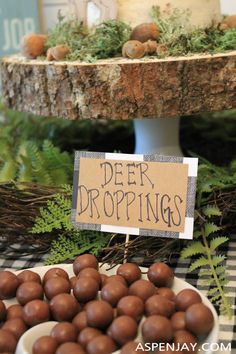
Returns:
(17,18)
(147,195)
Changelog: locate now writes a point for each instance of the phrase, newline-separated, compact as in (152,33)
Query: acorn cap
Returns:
(33,45)
(144,32)
(150,47)
(59,52)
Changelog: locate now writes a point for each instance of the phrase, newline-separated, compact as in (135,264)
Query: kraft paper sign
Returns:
(147,195)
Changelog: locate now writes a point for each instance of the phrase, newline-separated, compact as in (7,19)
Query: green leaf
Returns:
(202,261)
(193,249)
(218,259)
(211,211)
(218,241)
(210,228)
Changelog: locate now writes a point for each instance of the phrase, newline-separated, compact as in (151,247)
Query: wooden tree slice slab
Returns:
(120,88)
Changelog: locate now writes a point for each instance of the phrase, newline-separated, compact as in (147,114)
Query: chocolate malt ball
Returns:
(45,345)
(8,285)
(15,311)
(132,348)
(186,298)
(185,339)
(16,326)
(178,321)
(199,319)
(115,278)
(131,306)
(157,329)
(80,321)
(167,293)
(29,291)
(143,289)
(3,311)
(55,286)
(84,261)
(130,272)
(158,305)
(87,334)
(64,332)
(64,307)
(85,289)
(123,329)
(55,272)
(161,275)
(7,342)
(101,345)
(100,314)
(112,292)
(70,348)
(28,275)
(91,273)
(36,312)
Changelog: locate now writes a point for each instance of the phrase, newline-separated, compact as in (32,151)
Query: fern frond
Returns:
(200,262)
(210,228)
(193,249)
(216,260)
(218,241)
(210,211)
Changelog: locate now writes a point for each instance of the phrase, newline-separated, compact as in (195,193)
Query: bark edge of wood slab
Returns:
(119,88)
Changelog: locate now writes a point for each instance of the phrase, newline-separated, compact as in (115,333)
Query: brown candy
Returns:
(178,321)
(112,292)
(101,345)
(99,314)
(199,319)
(131,348)
(161,275)
(70,348)
(185,339)
(157,329)
(72,281)
(16,326)
(131,306)
(7,341)
(187,298)
(103,279)
(35,312)
(87,334)
(8,285)
(115,278)
(28,275)
(45,345)
(123,329)
(3,311)
(29,291)
(15,311)
(91,273)
(64,307)
(167,293)
(85,261)
(130,272)
(85,289)
(55,286)
(158,305)
(143,289)
(64,332)
(80,321)
(55,272)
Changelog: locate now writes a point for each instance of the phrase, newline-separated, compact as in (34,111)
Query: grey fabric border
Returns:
(91,227)
(158,158)
(191,195)
(88,155)
(158,233)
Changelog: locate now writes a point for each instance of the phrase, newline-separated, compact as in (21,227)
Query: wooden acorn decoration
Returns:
(145,32)
(150,47)
(228,23)
(57,53)
(133,49)
(33,45)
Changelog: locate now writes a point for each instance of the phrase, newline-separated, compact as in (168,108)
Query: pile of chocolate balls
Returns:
(99,314)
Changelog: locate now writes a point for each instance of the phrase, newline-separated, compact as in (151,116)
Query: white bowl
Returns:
(29,337)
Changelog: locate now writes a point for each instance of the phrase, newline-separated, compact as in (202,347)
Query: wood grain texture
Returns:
(120,88)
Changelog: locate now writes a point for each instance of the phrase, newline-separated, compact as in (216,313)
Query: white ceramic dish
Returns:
(26,342)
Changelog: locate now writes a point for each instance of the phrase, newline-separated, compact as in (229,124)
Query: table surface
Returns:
(20,257)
